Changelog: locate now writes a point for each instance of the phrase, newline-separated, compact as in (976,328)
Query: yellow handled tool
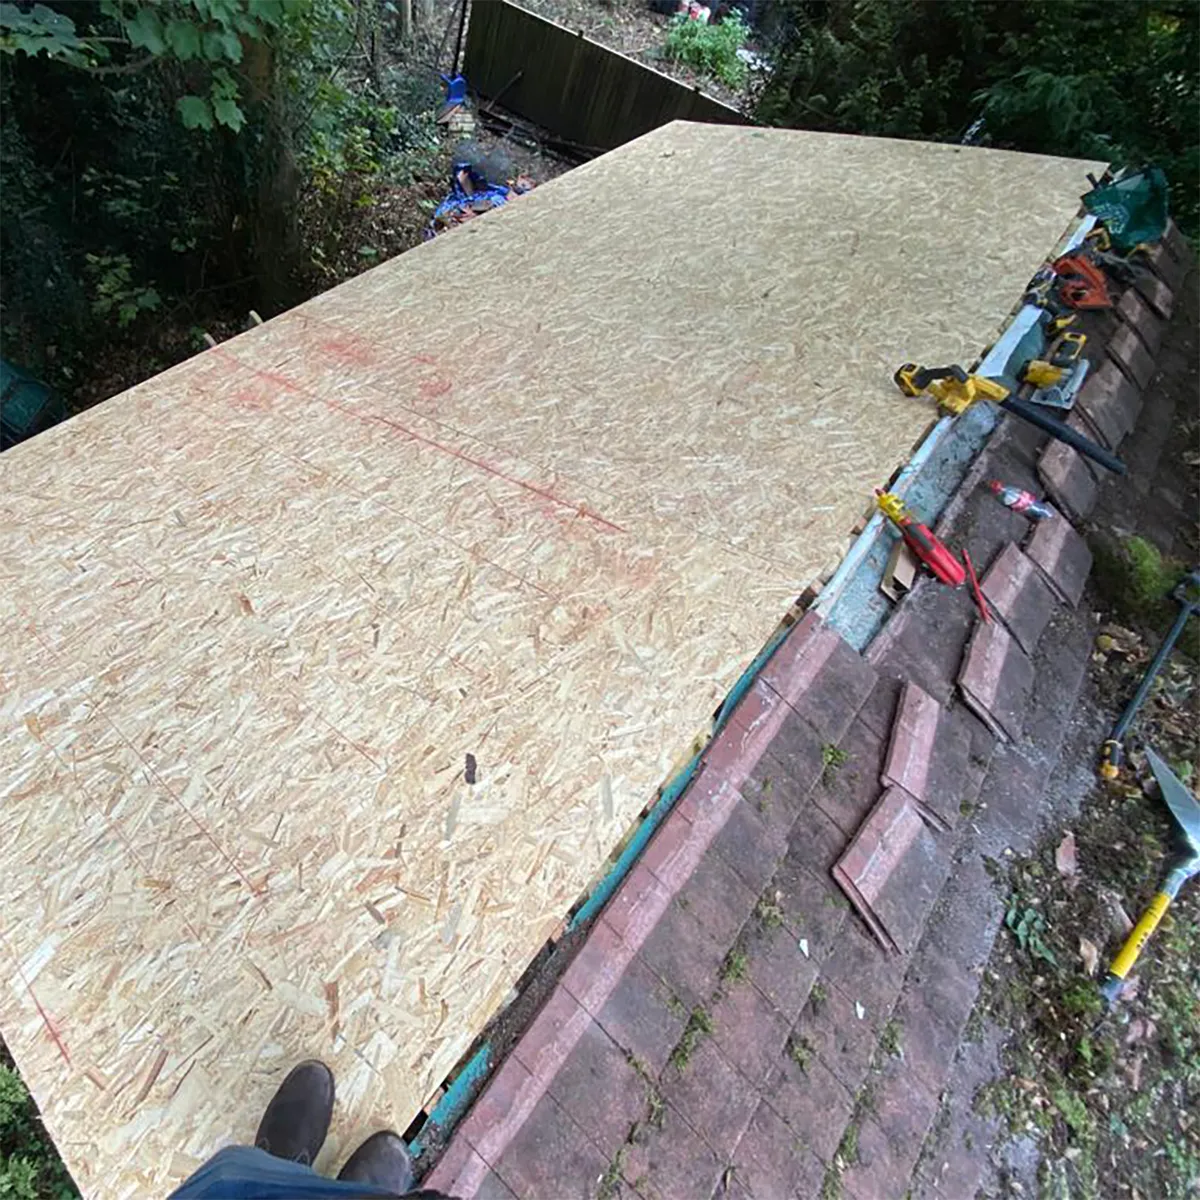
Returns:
(1186,811)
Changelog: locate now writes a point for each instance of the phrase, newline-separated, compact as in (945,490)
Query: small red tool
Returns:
(940,561)
(980,602)
(1081,284)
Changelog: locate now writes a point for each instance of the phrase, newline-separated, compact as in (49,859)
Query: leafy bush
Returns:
(710,49)
(1115,80)
(170,164)
(1138,583)
(30,1168)
(114,289)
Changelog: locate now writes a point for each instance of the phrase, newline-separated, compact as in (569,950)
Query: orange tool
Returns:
(1081,284)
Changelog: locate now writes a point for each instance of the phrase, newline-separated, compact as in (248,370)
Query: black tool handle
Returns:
(1168,644)
(1064,433)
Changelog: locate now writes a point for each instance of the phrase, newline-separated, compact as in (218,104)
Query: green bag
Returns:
(1133,210)
(26,406)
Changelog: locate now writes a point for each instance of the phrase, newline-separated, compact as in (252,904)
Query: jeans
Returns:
(247,1173)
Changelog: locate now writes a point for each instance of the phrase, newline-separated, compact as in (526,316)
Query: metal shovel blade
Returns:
(1183,805)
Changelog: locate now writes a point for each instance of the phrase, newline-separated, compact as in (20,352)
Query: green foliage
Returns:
(1115,80)
(352,139)
(18,1178)
(611,1181)
(710,48)
(832,758)
(191,159)
(891,1041)
(699,1025)
(14,1099)
(30,1168)
(1073,1110)
(169,31)
(1137,582)
(1028,926)
(800,1051)
(115,291)
(736,966)
(1150,579)
(40,30)
(768,912)
(847,1151)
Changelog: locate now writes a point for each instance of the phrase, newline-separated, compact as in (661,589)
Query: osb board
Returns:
(533,493)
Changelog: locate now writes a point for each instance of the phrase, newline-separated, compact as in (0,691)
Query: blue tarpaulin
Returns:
(475,188)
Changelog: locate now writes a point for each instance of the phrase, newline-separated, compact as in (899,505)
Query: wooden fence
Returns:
(571,86)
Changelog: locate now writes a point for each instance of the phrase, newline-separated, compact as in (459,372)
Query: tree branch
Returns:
(129,68)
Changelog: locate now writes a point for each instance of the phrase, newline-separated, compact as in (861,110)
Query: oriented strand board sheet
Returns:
(531,495)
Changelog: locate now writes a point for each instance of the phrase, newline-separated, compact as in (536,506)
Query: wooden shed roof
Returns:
(534,493)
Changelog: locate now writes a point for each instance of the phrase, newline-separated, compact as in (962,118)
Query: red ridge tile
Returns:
(1135,312)
(1155,293)
(459,1172)
(995,680)
(681,841)
(893,871)
(1067,478)
(1131,356)
(501,1109)
(798,660)
(598,967)
(552,1035)
(637,905)
(914,732)
(928,756)
(1017,594)
(1062,556)
(1110,401)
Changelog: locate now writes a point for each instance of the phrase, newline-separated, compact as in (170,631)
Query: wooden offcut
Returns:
(335,660)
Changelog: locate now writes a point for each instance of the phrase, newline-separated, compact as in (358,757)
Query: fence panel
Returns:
(574,87)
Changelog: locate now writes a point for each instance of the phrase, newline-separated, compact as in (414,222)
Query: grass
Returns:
(768,912)
(656,1118)
(891,1040)
(640,1069)
(710,49)
(800,1051)
(764,795)
(610,1181)
(30,1168)
(699,1025)
(736,966)
(674,1005)
(845,1156)
(847,1151)
(656,1109)
(833,758)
